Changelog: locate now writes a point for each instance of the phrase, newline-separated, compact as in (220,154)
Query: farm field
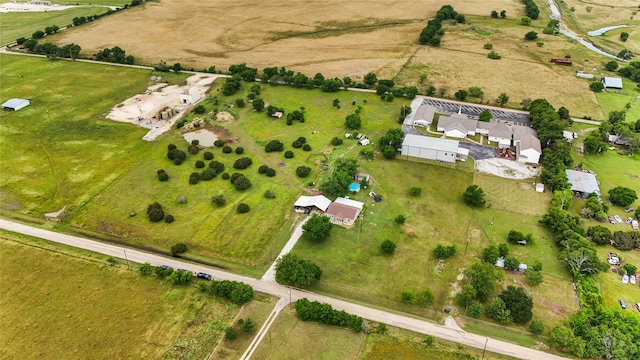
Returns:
(331,42)
(612,287)
(22,24)
(72,305)
(617,99)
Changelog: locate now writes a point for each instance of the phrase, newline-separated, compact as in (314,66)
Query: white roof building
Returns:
(583,182)
(318,201)
(426,147)
(15,104)
(349,202)
(612,83)
(528,149)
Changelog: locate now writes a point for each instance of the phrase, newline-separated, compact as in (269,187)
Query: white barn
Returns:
(426,147)
(528,149)
(612,83)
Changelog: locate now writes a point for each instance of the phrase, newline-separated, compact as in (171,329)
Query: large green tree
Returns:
(483,276)
(391,142)
(519,303)
(622,196)
(317,228)
(291,270)
(474,196)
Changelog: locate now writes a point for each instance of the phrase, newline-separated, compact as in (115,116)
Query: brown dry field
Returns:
(346,38)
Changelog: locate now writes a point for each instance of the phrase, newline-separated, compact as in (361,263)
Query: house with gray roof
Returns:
(583,183)
(457,125)
(528,149)
(502,134)
(425,147)
(424,115)
(520,131)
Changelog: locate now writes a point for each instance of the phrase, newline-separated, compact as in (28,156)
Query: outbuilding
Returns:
(612,83)
(583,183)
(426,147)
(15,104)
(308,204)
(528,149)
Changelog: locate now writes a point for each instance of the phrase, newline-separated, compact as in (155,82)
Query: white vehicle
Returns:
(628,221)
(625,279)
(363,142)
(634,224)
(632,280)
(618,218)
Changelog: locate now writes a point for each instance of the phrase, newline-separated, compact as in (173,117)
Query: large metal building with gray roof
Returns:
(426,147)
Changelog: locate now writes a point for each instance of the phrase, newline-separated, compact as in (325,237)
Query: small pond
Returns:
(206,137)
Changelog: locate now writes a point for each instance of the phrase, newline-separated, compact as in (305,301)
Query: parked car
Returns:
(623,304)
(205,276)
(638,306)
(628,210)
(167,267)
(634,224)
(632,279)
(183,270)
(625,279)
(618,218)
(611,220)
(628,221)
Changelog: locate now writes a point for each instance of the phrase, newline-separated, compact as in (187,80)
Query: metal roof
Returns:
(319,201)
(611,82)
(427,142)
(15,104)
(583,181)
(349,202)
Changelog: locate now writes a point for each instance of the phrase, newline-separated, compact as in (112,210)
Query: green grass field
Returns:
(22,24)
(75,304)
(615,100)
(612,288)
(59,151)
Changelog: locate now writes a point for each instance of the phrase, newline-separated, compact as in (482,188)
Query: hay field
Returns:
(61,306)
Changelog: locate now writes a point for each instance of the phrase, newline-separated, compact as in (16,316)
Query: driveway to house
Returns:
(479,152)
(283,292)
(270,275)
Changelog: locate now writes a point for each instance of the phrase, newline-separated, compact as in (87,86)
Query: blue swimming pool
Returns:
(354,187)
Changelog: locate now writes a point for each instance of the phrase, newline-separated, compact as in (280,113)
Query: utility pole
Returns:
(468,240)
(125,258)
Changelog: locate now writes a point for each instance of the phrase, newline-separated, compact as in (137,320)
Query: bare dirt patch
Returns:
(506,169)
(28,7)
(143,109)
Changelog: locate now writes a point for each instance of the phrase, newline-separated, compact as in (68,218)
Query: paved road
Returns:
(270,275)
(479,152)
(420,326)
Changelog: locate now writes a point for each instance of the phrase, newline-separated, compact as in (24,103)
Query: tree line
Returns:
(326,314)
(433,32)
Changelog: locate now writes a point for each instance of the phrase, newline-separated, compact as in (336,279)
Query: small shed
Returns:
(364,142)
(15,104)
(540,187)
(522,267)
(612,83)
(190,96)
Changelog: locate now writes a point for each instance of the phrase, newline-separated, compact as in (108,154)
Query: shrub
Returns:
(302,140)
(240,103)
(163,176)
(193,149)
(444,252)
(270,172)
(336,141)
(155,212)
(200,109)
(169,219)
(531,35)
(274,145)
(225,176)
(179,248)
(622,196)
(297,144)
(195,142)
(227,149)
(242,163)
(303,171)
(288,154)
(208,155)
(219,200)
(199,164)
(400,219)
(536,327)
(262,169)
(415,191)
(230,333)
(177,161)
(171,147)
(239,150)
(243,208)
(194,178)
(407,296)
(494,55)
(269,194)
(218,143)
(488,46)
(388,247)
(306,147)
(241,183)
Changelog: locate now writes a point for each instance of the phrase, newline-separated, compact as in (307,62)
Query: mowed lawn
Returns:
(59,150)
(65,307)
(612,288)
(616,100)
(14,25)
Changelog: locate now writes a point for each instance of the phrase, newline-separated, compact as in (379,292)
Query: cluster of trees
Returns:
(531,9)
(114,55)
(503,14)
(240,182)
(422,298)
(234,291)
(338,183)
(246,326)
(232,85)
(444,252)
(432,33)
(155,212)
(387,91)
(301,273)
(628,133)
(303,171)
(242,163)
(515,236)
(622,240)
(299,142)
(176,67)
(594,208)
(317,228)
(391,142)
(173,277)
(266,170)
(353,121)
(474,196)
(274,145)
(52,51)
(326,314)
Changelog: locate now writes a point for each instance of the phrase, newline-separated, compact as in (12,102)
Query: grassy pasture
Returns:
(58,151)
(73,306)
(615,100)
(321,39)
(22,24)
(291,338)
(611,284)
(519,197)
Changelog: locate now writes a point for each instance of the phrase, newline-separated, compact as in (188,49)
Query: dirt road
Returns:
(420,326)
